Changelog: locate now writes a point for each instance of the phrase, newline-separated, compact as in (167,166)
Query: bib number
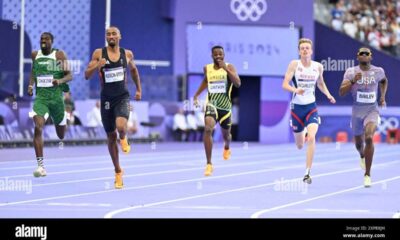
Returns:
(114,75)
(366,97)
(217,87)
(45,81)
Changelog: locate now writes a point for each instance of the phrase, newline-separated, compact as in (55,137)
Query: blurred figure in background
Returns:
(235,118)
(133,125)
(94,116)
(180,126)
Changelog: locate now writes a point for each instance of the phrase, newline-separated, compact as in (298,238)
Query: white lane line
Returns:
(283,148)
(177,182)
(249,155)
(151,154)
(176,155)
(200,168)
(171,183)
(79,204)
(261,212)
(326,210)
(118,211)
(279,160)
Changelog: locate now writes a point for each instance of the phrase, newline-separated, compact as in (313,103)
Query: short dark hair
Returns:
(362,49)
(217,47)
(113,26)
(50,35)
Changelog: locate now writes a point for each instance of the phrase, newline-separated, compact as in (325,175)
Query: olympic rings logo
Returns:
(387,123)
(249,9)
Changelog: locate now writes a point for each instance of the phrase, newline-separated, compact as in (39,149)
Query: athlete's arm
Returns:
(232,74)
(135,74)
(31,78)
(322,86)
(94,63)
(346,85)
(62,57)
(383,84)
(288,77)
(201,88)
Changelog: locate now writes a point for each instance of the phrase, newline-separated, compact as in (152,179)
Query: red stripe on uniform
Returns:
(309,114)
(297,118)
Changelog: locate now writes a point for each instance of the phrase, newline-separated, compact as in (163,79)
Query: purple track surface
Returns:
(165,180)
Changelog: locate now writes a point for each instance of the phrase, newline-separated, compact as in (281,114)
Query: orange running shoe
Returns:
(209,170)
(126,148)
(226,154)
(118,180)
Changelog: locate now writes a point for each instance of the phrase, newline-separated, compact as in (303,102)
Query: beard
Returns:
(45,47)
(111,44)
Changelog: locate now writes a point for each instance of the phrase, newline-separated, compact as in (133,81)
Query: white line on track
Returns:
(248,155)
(261,212)
(118,211)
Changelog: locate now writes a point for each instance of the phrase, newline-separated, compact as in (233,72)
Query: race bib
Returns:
(45,81)
(366,97)
(114,74)
(217,87)
(306,86)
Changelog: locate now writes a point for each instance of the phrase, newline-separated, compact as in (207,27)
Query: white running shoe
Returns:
(367,181)
(40,172)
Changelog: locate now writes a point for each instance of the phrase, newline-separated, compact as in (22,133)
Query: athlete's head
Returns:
(113,35)
(305,48)
(46,41)
(217,54)
(364,55)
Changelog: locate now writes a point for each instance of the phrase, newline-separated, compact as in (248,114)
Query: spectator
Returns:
(133,122)
(374,22)
(69,101)
(235,118)
(191,126)
(200,124)
(180,126)
(72,119)
(94,116)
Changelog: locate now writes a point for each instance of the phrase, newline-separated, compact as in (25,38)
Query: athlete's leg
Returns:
(225,123)
(122,111)
(113,150)
(62,127)
(121,123)
(359,142)
(60,130)
(299,139)
(38,145)
(208,138)
(38,135)
(297,124)
(369,146)
(312,131)
(226,133)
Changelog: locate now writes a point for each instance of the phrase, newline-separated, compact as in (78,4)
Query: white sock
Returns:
(307,171)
